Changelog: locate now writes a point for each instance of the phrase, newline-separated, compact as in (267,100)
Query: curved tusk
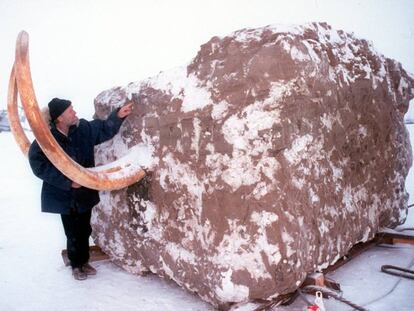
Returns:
(99,178)
(13,114)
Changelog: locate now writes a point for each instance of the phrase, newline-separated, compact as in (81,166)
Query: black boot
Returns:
(79,274)
(88,269)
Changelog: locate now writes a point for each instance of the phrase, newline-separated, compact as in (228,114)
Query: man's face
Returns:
(68,117)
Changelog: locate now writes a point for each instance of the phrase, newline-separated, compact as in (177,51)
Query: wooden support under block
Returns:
(393,237)
(320,279)
(95,254)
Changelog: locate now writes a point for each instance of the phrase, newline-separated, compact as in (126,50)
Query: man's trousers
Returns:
(77,230)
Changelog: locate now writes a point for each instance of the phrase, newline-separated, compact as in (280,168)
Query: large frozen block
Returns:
(269,156)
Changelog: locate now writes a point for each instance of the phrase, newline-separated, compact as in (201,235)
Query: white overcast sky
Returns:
(79,48)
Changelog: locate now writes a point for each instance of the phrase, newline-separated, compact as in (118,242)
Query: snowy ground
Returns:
(33,277)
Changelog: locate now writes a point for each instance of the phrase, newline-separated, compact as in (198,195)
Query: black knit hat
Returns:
(57,106)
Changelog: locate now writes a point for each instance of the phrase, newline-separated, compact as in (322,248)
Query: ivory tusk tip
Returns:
(23,33)
(23,41)
(23,36)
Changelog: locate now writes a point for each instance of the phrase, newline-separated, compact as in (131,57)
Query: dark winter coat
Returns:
(57,195)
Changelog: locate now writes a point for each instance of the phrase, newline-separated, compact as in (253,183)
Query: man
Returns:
(60,194)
